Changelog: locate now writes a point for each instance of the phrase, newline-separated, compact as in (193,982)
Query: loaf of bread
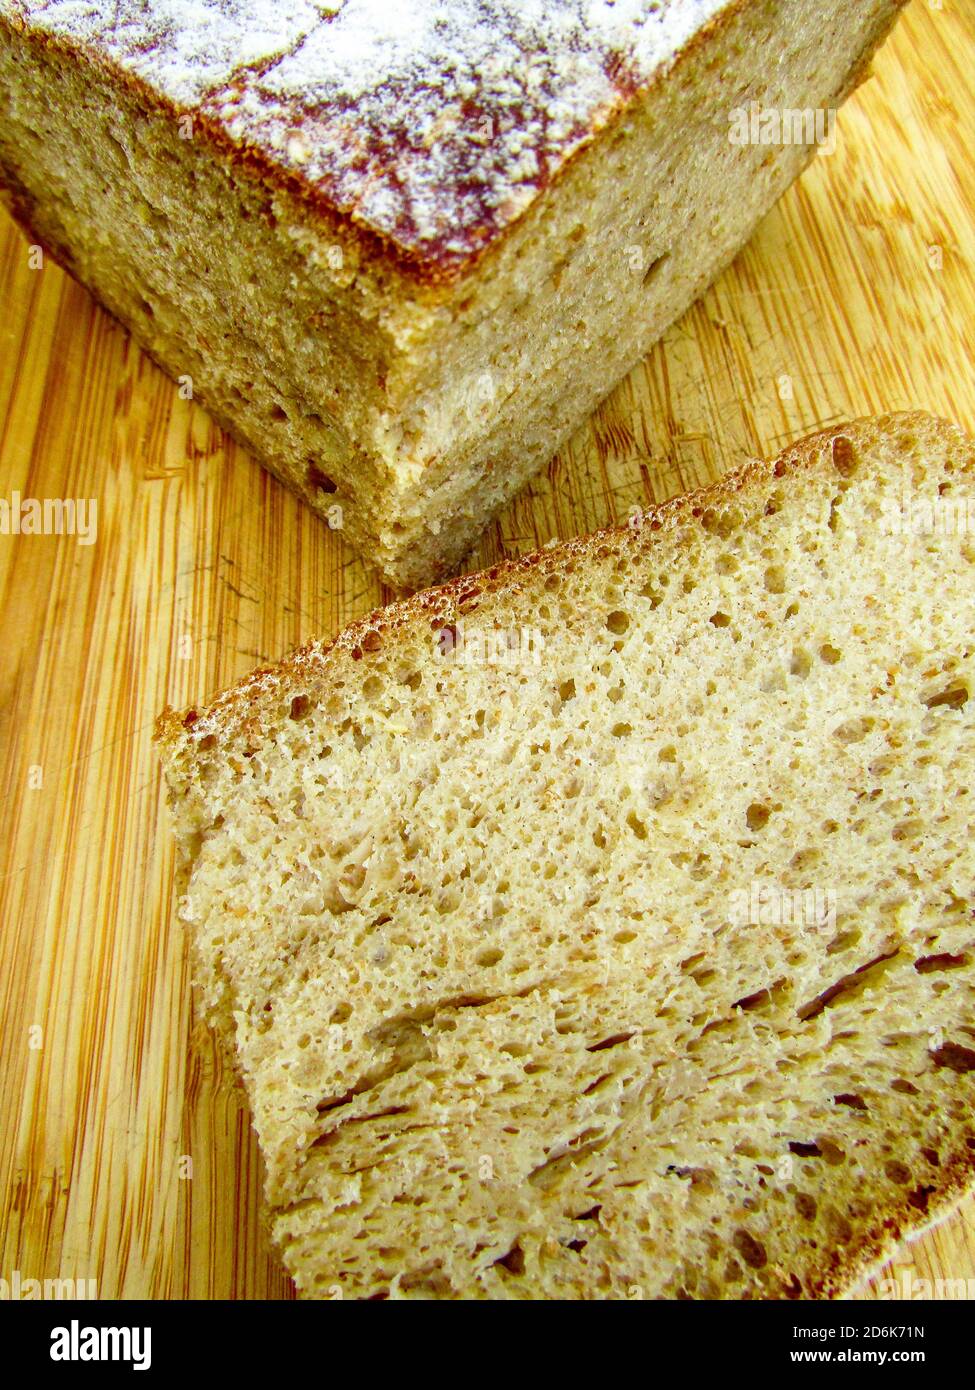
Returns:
(401,251)
(602,925)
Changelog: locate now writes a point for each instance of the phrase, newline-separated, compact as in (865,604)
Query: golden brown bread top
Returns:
(432,124)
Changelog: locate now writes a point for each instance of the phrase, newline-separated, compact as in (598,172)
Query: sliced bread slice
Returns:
(602,925)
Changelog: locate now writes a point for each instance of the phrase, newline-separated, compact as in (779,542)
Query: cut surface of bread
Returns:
(602,925)
(403,256)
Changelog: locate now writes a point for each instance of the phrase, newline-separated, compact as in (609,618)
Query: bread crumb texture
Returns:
(633,957)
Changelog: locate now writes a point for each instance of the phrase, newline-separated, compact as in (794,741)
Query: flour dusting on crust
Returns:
(432,122)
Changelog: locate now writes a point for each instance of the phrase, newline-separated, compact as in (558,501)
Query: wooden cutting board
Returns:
(125,1150)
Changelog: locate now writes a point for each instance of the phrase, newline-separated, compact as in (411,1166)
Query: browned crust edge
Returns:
(426,271)
(235,706)
(904,1225)
(429,270)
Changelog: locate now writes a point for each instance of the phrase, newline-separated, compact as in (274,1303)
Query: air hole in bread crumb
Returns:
(844,456)
(801,663)
(925,965)
(851,984)
(488,957)
(278,412)
(300,706)
(752,1251)
(804,1150)
(775,579)
(829,654)
(652,595)
(805,1205)
(851,1099)
(636,825)
(721,523)
(757,816)
(833,1153)
(597,1084)
(616,1040)
(341,1012)
(720,619)
(514,1261)
(853,731)
(591,1215)
(618,622)
(955,696)
(319,481)
(955,1057)
(655,266)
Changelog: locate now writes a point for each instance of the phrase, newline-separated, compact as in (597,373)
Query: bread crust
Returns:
(854,1267)
(432,266)
(234,708)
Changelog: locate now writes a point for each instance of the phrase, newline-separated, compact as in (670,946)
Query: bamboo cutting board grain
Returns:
(125,1150)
